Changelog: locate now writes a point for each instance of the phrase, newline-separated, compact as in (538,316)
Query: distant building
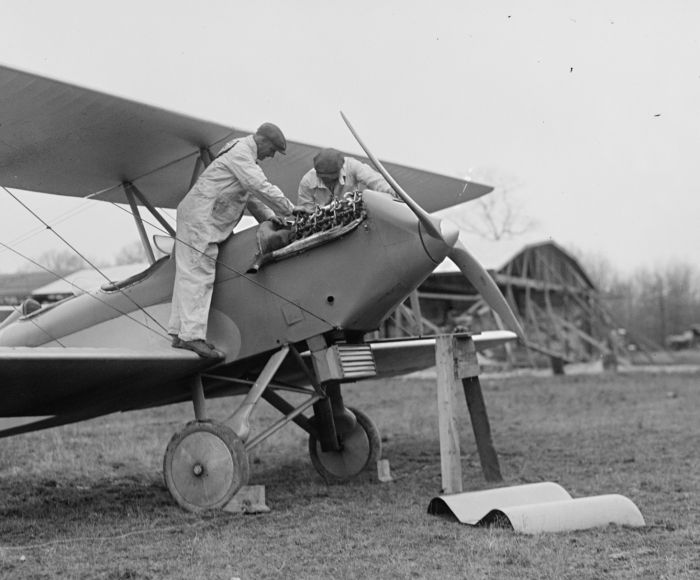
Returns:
(560,308)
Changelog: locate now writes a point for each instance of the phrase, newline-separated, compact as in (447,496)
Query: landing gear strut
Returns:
(206,463)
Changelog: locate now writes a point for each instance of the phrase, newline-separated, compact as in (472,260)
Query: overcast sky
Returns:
(588,111)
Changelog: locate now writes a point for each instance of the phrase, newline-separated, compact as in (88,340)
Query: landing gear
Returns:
(205,465)
(359,449)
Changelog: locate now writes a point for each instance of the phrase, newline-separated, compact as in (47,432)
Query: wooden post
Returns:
(557,365)
(482,429)
(450,454)
(455,357)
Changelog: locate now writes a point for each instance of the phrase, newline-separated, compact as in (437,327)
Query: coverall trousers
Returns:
(194,285)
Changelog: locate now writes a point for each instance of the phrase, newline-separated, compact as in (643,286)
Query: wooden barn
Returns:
(561,311)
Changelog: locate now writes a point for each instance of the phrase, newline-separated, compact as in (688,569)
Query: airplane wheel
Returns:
(360,449)
(205,464)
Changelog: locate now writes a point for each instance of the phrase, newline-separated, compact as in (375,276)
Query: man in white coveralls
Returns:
(207,215)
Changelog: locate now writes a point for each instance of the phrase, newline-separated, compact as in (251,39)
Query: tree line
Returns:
(650,303)
(63,261)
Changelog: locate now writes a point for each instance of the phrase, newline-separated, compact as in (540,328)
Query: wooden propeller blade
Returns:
(431,224)
(482,281)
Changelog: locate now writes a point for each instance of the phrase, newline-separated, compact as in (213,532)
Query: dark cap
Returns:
(273,134)
(328,162)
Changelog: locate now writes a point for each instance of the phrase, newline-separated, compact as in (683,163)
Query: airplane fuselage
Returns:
(350,283)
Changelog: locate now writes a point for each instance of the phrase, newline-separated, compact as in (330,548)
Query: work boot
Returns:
(176,340)
(201,347)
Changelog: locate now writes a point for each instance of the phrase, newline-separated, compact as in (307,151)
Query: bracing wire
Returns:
(42,329)
(157,227)
(57,220)
(97,194)
(230,268)
(129,298)
(153,171)
(117,310)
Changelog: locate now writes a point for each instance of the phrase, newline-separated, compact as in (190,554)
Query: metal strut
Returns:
(128,190)
(240,419)
(203,161)
(292,416)
(198,400)
(149,206)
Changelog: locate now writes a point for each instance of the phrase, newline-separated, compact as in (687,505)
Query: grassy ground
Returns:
(88,501)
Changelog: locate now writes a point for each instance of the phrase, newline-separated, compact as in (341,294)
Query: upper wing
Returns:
(63,139)
(401,356)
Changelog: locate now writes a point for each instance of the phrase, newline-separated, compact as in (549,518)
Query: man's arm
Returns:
(363,173)
(252,178)
(259,210)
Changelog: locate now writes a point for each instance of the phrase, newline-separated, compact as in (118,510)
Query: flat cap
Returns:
(273,134)
(328,162)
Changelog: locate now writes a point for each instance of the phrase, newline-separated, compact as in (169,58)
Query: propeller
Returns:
(431,224)
(467,264)
(484,284)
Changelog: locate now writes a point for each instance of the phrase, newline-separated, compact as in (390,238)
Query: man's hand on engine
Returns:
(278,220)
(299,209)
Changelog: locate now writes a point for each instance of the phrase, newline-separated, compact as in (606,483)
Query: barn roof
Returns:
(496,256)
(492,255)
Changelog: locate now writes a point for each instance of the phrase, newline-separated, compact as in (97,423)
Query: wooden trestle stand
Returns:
(455,359)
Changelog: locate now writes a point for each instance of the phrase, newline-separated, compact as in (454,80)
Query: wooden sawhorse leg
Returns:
(455,358)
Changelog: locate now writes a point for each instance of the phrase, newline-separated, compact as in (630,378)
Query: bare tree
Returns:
(658,302)
(598,268)
(57,261)
(496,215)
(649,302)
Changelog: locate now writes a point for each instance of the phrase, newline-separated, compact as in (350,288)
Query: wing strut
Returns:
(206,155)
(139,224)
(203,161)
(90,263)
(149,206)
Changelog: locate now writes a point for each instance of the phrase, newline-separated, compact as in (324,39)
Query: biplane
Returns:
(297,323)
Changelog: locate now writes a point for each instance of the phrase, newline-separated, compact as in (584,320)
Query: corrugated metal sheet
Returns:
(536,508)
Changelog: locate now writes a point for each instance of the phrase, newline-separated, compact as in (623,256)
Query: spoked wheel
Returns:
(205,465)
(360,449)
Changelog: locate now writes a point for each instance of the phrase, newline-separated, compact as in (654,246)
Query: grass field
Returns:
(88,500)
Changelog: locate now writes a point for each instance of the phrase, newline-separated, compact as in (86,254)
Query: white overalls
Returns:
(206,217)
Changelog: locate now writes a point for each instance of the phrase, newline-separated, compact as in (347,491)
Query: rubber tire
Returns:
(213,446)
(333,466)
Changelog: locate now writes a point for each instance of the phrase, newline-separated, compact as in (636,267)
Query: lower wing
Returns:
(401,356)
